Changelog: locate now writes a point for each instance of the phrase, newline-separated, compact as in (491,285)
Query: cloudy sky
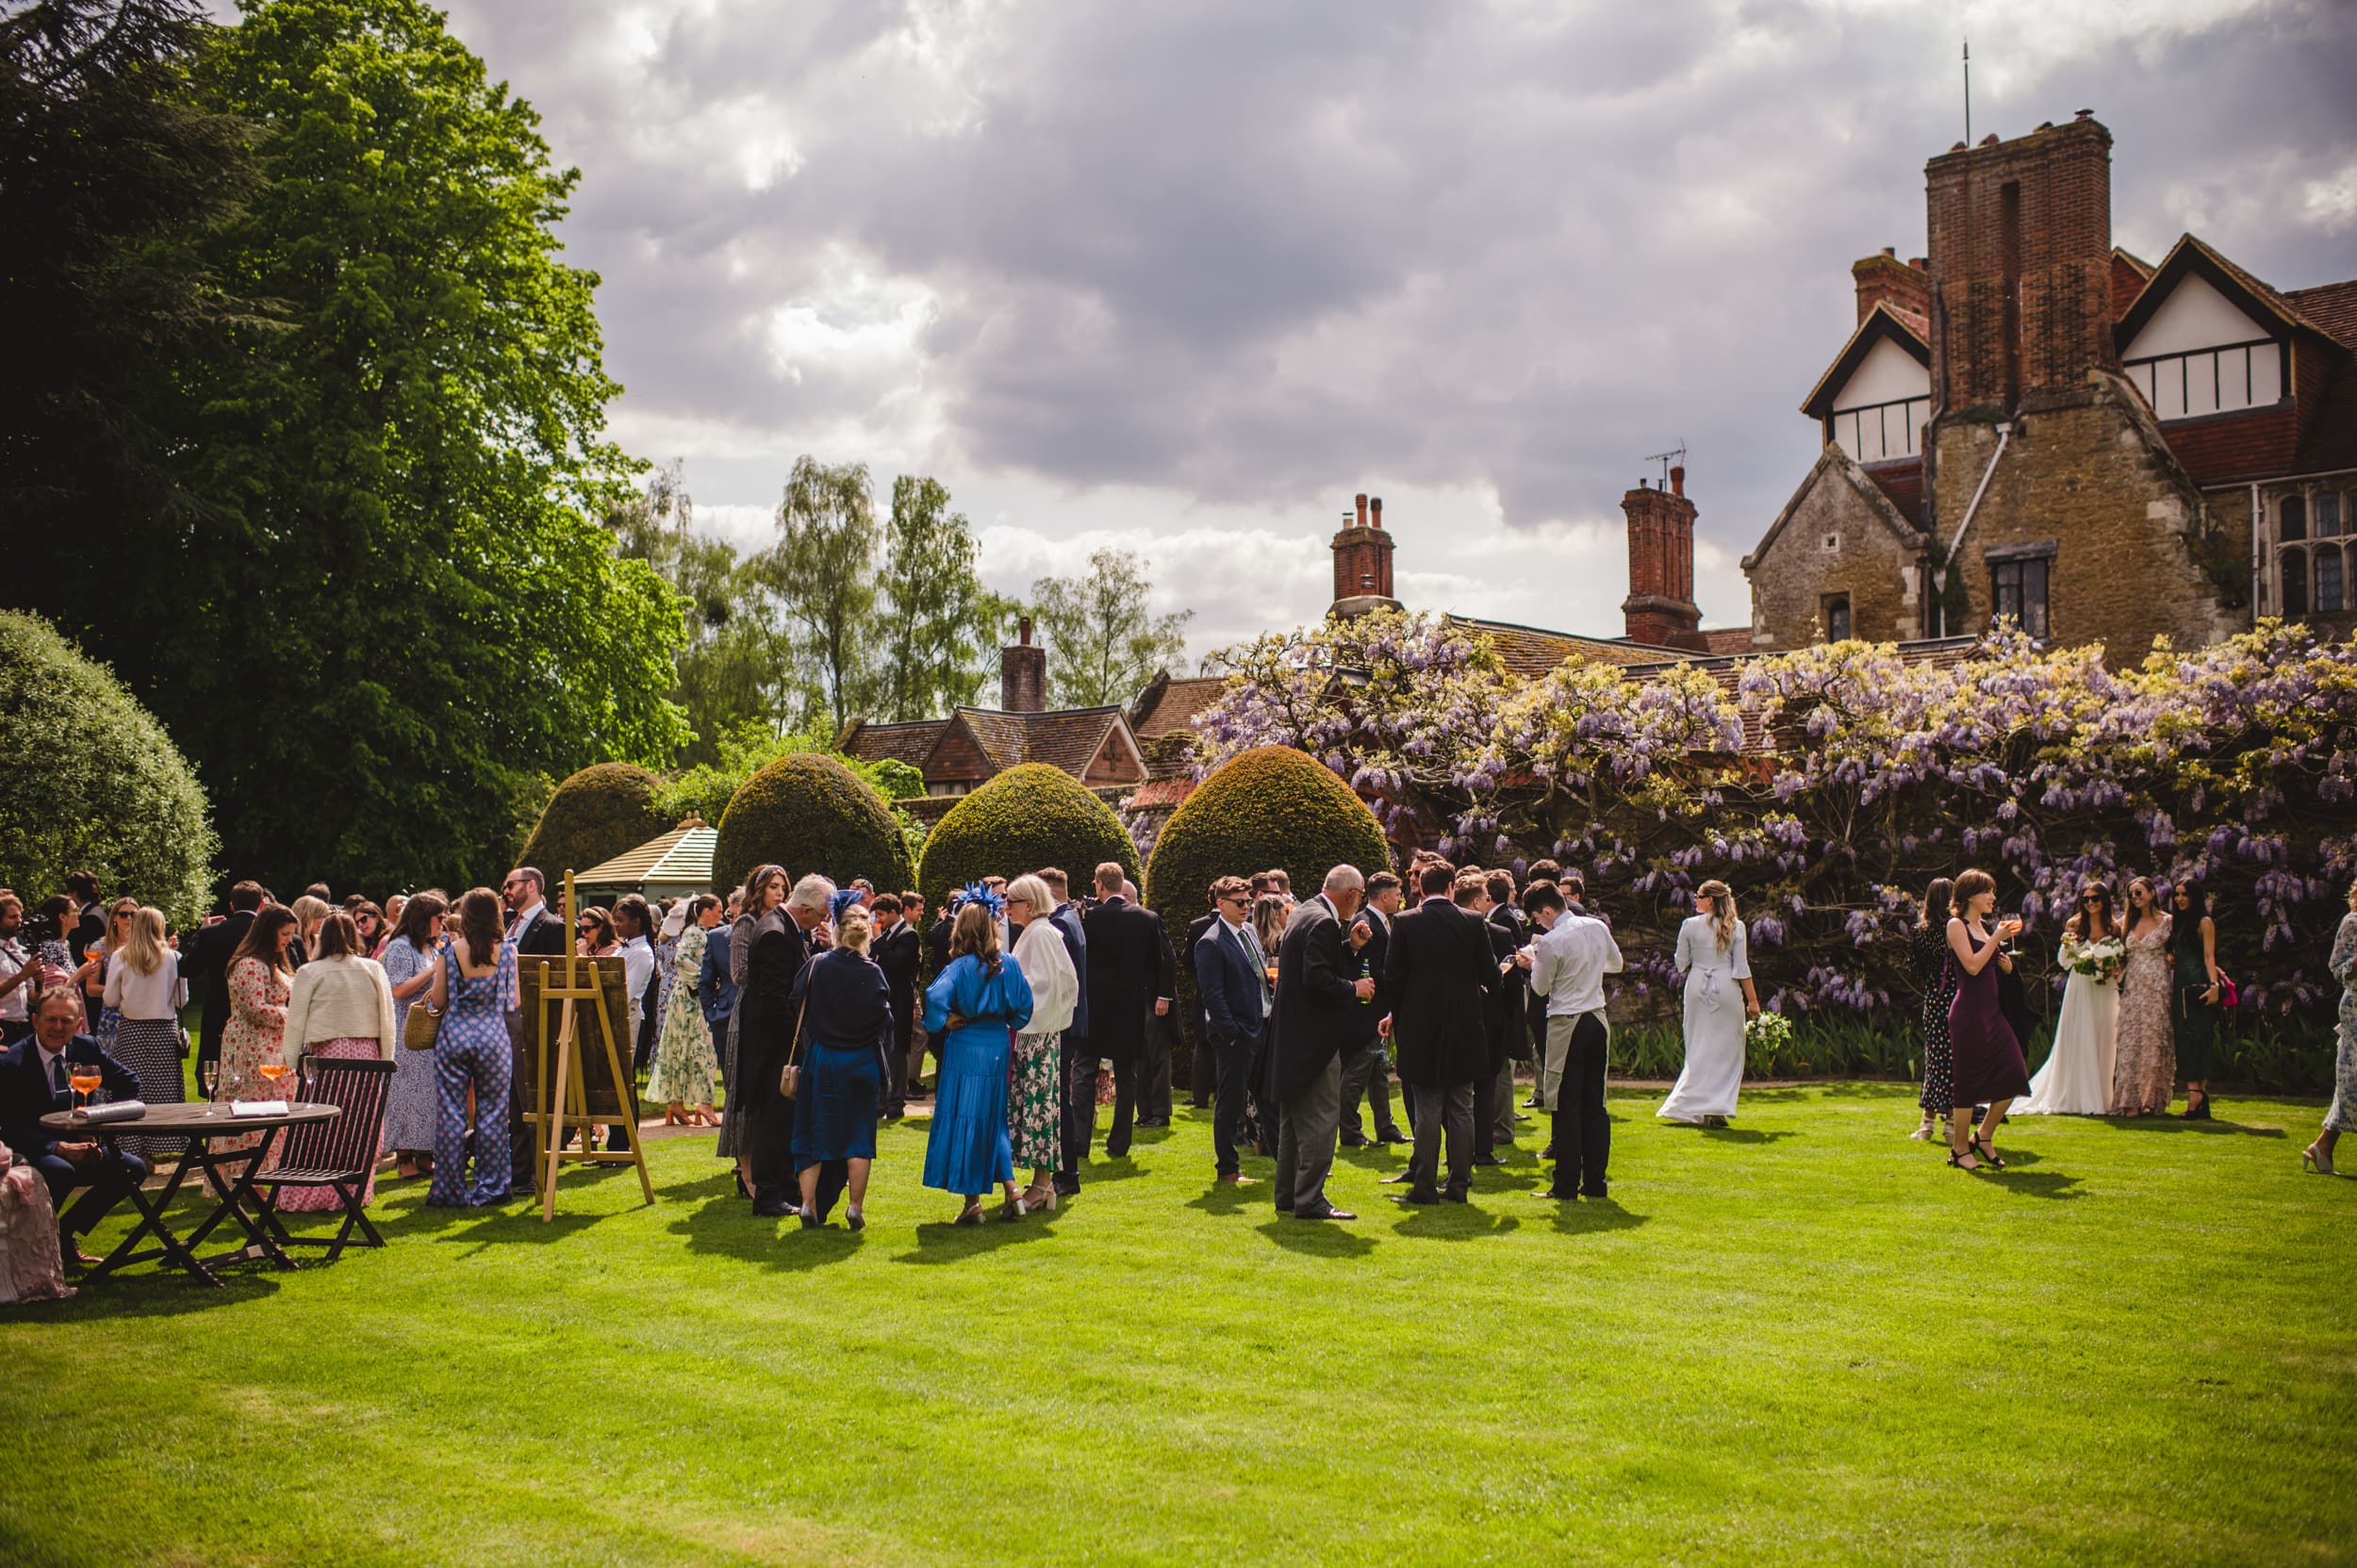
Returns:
(1185,277)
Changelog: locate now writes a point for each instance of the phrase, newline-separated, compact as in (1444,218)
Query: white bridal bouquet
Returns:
(2098,960)
(1767,1033)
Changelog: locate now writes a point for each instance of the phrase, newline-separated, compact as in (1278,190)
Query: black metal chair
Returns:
(336,1154)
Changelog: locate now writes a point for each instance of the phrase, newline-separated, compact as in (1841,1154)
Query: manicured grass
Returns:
(1802,1341)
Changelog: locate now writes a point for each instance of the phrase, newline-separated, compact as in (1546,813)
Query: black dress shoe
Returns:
(1414,1197)
(775,1209)
(1486,1160)
(1353,1140)
(1284,1208)
(1591,1191)
(1067,1187)
(1327,1214)
(1454,1195)
(1560,1198)
(1393,1135)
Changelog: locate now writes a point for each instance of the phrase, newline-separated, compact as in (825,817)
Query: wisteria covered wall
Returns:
(2235,765)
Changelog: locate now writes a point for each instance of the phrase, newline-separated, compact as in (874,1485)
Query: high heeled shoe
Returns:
(970,1214)
(1957,1159)
(2320,1164)
(1988,1155)
(1013,1209)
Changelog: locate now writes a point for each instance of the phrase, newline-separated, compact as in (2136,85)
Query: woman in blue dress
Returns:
(974,1006)
(474,985)
(846,1010)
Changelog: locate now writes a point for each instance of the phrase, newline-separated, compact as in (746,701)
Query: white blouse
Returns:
(1040,953)
(134,994)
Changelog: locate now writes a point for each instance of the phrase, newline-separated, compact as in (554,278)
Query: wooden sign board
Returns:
(613,997)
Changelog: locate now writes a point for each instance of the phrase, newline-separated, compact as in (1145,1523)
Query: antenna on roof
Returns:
(1677,455)
(1968,92)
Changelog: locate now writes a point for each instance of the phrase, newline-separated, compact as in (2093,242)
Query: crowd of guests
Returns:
(794,1018)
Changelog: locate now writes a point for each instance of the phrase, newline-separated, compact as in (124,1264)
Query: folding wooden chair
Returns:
(337,1154)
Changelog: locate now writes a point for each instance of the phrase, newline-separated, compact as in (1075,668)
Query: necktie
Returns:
(58,1076)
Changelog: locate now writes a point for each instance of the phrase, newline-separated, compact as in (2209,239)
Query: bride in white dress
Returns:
(1718,996)
(2076,1079)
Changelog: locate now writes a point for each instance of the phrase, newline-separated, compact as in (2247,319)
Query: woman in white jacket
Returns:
(1034,1123)
(342,1006)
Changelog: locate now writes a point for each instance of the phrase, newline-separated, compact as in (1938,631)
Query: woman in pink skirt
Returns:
(341,1008)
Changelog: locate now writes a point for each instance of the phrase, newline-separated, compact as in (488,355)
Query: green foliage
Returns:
(93,783)
(809,813)
(385,599)
(707,789)
(1103,642)
(1028,816)
(939,623)
(822,571)
(594,816)
(1262,809)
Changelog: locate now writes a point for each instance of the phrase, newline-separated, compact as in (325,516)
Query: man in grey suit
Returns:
(1316,1020)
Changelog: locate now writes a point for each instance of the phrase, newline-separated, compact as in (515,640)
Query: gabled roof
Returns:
(1069,738)
(2129,273)
(909,742)
(1530,651)
(1881,323)
(1171,704)
(2248,293)
(2332,307)
(1832,459)
(681,857)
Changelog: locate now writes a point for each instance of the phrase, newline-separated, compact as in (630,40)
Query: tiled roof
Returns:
(1168,757)
(1068,738)
(1173,704)
(907,743)
(1530,651)
(1002,736)
(2332,307)
(1724,640)
(1902,482)
(1159,792)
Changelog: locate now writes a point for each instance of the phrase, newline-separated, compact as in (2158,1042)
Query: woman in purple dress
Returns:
(1987,1062)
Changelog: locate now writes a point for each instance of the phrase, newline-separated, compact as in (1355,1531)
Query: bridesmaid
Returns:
(2193,956)
(974,1006)
(1989,1065)
(2144,1062)
(1935,972)
(2317,1156)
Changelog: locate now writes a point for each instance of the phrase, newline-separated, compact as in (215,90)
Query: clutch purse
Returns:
(790,1076)
(420,1027)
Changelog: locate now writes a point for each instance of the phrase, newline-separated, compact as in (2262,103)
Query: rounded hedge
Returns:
(93,783)
(1263,809)
(1030,816)
(597,813)
(809,813)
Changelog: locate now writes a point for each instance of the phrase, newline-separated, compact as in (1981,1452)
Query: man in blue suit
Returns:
(34,1082)
(1231,972)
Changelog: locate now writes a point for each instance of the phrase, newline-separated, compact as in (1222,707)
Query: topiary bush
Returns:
(809,813)
(1028,816)
(93,784)
(1263,809)
(594,816)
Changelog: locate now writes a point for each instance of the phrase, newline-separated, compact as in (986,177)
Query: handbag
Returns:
(420,1027)
(790,1076)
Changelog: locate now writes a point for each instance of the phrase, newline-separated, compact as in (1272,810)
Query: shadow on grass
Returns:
(1456,1222)
(2052,1184)
(1589,1215)
(2178,1124)
(1318,1238)
(945,1241)
(155,1290)
(1850,1089)
(1107,1168)
(1223,1198)
(1745,1134)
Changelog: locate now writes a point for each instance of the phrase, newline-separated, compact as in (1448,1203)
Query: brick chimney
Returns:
(1363,562)
(1023,673)
(1660,609)
(1884,279)
(2021,265)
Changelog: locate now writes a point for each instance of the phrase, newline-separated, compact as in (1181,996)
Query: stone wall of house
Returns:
(1835,542)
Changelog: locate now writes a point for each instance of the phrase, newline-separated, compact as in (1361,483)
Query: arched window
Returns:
(2295,567)
(2291,518)
(2327,580)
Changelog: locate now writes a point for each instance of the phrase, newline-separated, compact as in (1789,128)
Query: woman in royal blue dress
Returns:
(974,1007)
(846,1009)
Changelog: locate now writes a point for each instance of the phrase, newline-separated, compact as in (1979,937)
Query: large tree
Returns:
(940,624)
(1104,641)
(388,599)
(822,571)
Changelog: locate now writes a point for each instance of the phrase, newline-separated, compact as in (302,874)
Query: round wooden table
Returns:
(200,1124)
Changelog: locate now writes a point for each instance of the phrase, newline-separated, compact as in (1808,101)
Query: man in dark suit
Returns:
(900,952)
(1318,1000)
(1131,975)
(1506,916)
(1364,1069)
(1203,1068)
(766,1028)
(1231,976)
(1155,1059)
(206,965)
(534,931)
(1440,976)
(936,960)
(35,1080)
(1077,1115)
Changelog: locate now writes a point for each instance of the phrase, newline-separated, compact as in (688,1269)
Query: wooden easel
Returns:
(564,1101)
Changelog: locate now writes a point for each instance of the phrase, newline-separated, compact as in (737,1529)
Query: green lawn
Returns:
(1802,1341)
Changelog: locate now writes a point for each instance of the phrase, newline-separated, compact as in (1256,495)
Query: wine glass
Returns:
(272,1067)
(86,1078)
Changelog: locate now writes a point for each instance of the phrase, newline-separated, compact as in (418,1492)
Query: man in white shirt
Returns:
(20,976)
(1567,964)
(36,1078)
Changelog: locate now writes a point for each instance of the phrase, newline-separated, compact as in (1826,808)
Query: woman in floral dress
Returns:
(260,981)
(408,963)
(2342,1115)
(685,1065)
(1034,1119)
(1935,972)
(2143,1063)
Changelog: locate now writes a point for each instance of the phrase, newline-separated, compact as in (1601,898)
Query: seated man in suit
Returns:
(34,1081)
(1231,973)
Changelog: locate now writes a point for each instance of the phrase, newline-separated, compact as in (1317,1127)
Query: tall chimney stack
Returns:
(1660,609)
(1363,562)
(1023,673)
